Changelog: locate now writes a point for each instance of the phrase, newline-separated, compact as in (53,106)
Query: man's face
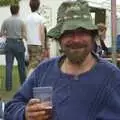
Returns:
(76,45)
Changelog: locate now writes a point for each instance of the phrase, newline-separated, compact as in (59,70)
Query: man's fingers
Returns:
(33,105)
(47,117)
(36,114)
(33,108)
(36,107)
(33,101)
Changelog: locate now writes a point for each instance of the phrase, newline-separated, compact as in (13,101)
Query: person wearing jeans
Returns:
(14,30)
(14,49)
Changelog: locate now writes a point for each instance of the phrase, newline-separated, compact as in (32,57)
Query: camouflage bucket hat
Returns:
(70,16)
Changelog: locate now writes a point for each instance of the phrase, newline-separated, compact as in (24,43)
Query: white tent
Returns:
(105,4)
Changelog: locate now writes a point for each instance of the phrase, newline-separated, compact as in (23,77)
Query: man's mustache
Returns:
(75,46)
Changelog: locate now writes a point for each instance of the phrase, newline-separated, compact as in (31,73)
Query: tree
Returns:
(8,2)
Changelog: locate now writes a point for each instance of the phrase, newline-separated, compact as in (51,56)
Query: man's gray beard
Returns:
(77,58)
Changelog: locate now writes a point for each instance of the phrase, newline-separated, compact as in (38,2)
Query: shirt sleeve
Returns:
(42,20)
(111,109)
(15,109)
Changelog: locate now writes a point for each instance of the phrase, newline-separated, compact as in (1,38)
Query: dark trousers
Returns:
(14,49)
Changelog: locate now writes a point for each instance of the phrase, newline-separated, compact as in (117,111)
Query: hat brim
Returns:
(55,32)
(59,29)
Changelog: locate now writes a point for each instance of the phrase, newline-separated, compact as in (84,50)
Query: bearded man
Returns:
(85,87)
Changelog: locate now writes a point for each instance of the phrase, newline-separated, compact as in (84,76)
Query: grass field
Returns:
(3,93)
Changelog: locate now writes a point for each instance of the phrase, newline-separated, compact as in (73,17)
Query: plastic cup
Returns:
(45,95)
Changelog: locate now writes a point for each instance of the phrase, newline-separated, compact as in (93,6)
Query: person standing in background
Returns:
(35,35)
(14,30)
(101,48)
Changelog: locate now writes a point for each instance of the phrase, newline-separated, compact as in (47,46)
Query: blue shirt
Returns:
(93,95)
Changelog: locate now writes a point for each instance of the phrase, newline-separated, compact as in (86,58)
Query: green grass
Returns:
(3,93)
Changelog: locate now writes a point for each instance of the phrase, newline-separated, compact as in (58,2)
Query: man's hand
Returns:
(35,110)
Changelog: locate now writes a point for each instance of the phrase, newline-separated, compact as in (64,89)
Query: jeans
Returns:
(14,49)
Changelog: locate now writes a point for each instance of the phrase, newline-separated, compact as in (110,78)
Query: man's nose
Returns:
(77,40)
